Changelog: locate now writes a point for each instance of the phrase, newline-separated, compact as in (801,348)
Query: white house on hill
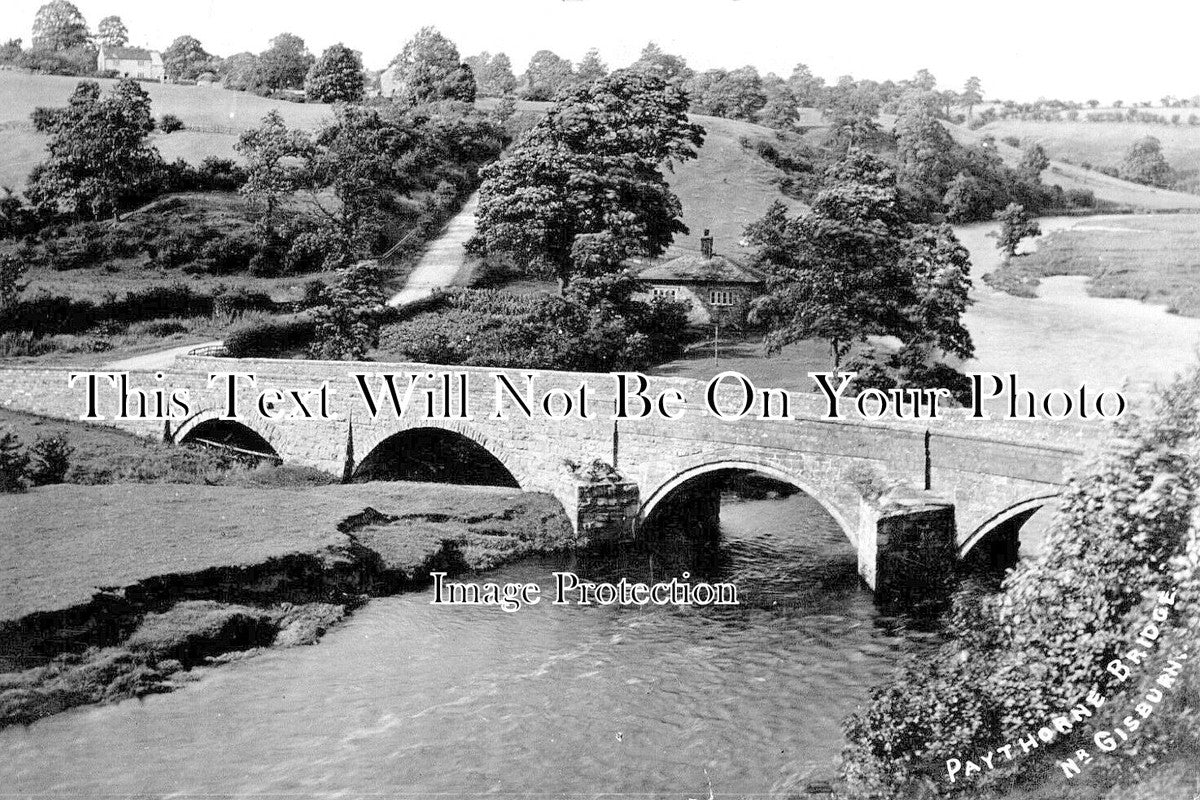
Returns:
(131,62)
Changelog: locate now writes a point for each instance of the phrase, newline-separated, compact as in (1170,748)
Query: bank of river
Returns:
(408,699)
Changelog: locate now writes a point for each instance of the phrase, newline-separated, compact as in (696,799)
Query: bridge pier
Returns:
(906,546)
(605,505)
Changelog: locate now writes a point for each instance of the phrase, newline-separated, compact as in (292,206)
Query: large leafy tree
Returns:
(972,94)
(593,165)
(273,168)
(185,59)
(737,94)
(781,110)
(97,153)
(285,64)
(546,76)
(428,69)
(851,109)
(854,267)
(924,146)
(1144,163)
(347,319)
(337,76)
(59,25)
(655,61)
(591,67)
(112,32)
(239,71)
(808,88)
(493,74)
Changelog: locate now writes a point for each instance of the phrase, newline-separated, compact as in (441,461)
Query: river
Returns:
(406,699)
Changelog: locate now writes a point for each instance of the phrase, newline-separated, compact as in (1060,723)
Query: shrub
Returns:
(169,123)
(50,459)
(14,463)
(271,337)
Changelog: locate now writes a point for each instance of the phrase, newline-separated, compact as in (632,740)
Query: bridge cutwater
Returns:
(912,496)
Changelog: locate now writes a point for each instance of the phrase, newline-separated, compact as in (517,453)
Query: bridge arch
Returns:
(438,438)
(1016,514)
(208,427)
(660,493)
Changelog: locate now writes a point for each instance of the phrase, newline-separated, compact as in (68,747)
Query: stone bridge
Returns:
(910,495)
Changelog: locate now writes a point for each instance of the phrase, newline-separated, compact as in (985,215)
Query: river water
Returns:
(406,699)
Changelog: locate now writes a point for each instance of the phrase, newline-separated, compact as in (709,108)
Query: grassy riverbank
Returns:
(116,591)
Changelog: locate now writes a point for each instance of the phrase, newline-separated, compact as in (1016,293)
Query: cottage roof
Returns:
(699,268)
(127,53)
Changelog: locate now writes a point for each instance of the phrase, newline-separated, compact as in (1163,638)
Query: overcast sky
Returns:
(1022,49)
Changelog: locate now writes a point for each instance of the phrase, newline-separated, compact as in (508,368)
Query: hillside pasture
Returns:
(1104,143)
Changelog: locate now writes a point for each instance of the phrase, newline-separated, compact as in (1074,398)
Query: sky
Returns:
(1021,49)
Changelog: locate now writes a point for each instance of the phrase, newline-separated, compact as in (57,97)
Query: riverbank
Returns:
(116,591)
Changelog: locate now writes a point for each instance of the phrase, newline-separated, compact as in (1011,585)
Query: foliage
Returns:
(269,337)
(283,65)
(347,321)
(851,109)
(97,154)
(1122,535)
(780,109)
(58,25)
(14,462)
(112,32)
(591,68)
(736,94)
(429,69)
(592,165)
(546,76)
(239,71)
(1034,161)
(12,269)
(80,60)
(169,123)
(493,74)
(1144,163)
(924,147)
(598,326)
(337,76)
(654,61)
(854,267)
(10,51)
(1015,224)
(50,459)
(272,174)
(185,58)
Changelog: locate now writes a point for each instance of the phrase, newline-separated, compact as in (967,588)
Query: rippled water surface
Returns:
(407,699)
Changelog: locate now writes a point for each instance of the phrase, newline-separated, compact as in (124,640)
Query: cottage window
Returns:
(662,291)
(720,297)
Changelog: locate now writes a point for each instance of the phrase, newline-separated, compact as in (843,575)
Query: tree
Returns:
(58,25)
(285,64)
(1144,163)
(663,65)
(112,32)
(972,94)
(924,81)
(807,88)
(14,462)
(337,76)
(272,172)
(493,74)
(591,67)
(50,459)
(239,71)
(781,109)
(12,270)
(347,320)
(427,70)
(851,109)
(736,95)
(185,59)
(924,146)
(97,154)
(1015,224)
(853,267)
(546,76)
(966,199)
(10,51)
(1034,162)
(591,166)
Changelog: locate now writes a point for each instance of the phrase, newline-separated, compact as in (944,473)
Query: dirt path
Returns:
(1064,337)
(445,260)
(159,359)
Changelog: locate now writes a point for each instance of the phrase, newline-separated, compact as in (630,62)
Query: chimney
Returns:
(706,244)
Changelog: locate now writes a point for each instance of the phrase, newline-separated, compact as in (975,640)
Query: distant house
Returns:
(131,62)
(718,288)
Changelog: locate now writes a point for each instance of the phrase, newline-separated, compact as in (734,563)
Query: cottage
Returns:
(718,288)
(131,62)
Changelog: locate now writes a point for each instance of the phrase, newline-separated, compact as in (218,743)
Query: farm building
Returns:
(718,288)
(131,62)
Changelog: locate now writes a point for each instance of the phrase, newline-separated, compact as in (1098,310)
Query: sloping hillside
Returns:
(1104,143)
(214,116)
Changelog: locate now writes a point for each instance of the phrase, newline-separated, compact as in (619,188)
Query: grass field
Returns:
(1153,259)
(215,116)
(1103,143)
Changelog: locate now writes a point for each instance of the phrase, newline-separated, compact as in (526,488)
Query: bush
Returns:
(169,123)
(271,337)
(50,459)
